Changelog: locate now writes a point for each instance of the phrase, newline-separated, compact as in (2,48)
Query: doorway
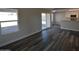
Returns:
(45,20)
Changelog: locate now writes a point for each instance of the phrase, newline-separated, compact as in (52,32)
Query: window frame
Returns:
(8,21)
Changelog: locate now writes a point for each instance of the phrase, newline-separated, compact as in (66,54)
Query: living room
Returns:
(21,27)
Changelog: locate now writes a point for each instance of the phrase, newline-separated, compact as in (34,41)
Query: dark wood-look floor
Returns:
(54,39)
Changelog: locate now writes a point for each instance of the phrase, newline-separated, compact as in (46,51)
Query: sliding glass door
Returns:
(45,20)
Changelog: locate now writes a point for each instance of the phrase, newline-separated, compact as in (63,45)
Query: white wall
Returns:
(29,23)
(70,25)
(59,16)
(61,19)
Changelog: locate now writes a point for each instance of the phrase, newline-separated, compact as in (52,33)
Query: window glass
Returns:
(8,22)
(8,16)
(9,27)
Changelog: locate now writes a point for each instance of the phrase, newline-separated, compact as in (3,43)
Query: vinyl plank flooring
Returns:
(52,39)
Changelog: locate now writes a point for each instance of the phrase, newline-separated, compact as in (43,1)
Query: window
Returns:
(8,22)
(45,20)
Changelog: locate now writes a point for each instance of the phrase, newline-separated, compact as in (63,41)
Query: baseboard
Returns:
(9,42)
(69,29)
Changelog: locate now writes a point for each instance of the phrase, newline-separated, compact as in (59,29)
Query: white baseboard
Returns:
(19,38)
(69,29)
